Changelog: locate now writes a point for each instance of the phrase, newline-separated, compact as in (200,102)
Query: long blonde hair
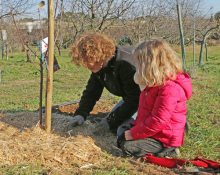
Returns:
(156,62)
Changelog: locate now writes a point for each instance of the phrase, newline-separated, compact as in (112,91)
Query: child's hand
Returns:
(128,135)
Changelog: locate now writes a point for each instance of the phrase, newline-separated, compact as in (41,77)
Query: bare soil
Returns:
(24,122)
(101,108)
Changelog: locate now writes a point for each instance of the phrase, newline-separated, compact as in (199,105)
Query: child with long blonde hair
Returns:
(159,126)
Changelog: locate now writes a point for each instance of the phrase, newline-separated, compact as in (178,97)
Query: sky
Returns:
(207,5)
(213,3)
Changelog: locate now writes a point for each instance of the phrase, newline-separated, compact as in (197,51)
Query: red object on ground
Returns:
(172,163)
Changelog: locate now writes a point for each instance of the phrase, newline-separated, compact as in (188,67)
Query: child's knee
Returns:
(128,148)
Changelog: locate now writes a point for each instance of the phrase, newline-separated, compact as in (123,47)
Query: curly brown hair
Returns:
(92,48)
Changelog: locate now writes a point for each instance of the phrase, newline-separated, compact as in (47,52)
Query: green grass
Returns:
(20,82)
(203,109)
(23,169)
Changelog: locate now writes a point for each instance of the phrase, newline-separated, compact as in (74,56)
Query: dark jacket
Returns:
(118,78)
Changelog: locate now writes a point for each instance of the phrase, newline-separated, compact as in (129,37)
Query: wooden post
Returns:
(181,36)
(49,86)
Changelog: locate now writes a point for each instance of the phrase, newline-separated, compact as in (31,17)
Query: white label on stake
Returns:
(43,45)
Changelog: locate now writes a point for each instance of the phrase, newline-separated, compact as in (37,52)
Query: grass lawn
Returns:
(20,82)
(204,109)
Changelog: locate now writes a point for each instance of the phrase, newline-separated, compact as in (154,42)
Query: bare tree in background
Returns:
(17,6)
(95,15)
(207,27)
(12,37)
(141,20)
(137,20)
(158,18)
(60,29)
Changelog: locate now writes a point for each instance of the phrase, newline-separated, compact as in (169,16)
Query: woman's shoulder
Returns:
(124,55)
(125,48)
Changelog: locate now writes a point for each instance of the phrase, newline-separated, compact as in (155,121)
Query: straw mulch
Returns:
(23,141)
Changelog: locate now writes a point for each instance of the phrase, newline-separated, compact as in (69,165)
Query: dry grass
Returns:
(32,145)
(188,48)
(20,83)
(23,141)
(192,72)
(213,42)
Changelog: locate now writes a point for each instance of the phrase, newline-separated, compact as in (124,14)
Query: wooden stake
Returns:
(49,86)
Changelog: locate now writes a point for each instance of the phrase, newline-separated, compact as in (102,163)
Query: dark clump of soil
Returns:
(101,108)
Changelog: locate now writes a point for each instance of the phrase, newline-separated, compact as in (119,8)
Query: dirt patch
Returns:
(23,141)
(98,109)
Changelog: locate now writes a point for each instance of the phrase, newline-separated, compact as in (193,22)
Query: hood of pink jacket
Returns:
(185,82)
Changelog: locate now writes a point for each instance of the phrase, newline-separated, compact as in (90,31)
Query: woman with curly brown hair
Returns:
(113,67)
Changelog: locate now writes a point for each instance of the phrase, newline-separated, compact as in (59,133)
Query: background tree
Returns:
(206,32)
(94,15)
(217,16)
(18,7)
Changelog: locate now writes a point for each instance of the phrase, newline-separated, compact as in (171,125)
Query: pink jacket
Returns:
(162,112)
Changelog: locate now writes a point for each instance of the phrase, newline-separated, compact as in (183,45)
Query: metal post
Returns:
(41,90)
(41,4)
(181,36)
(49,85)
(194,59)
(138,33)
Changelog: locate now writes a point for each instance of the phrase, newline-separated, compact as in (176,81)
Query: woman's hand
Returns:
(128,135)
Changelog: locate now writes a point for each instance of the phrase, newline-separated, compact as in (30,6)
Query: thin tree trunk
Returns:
(201,51)
(207,59)
(7,51)
(3,52)
(59,50)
